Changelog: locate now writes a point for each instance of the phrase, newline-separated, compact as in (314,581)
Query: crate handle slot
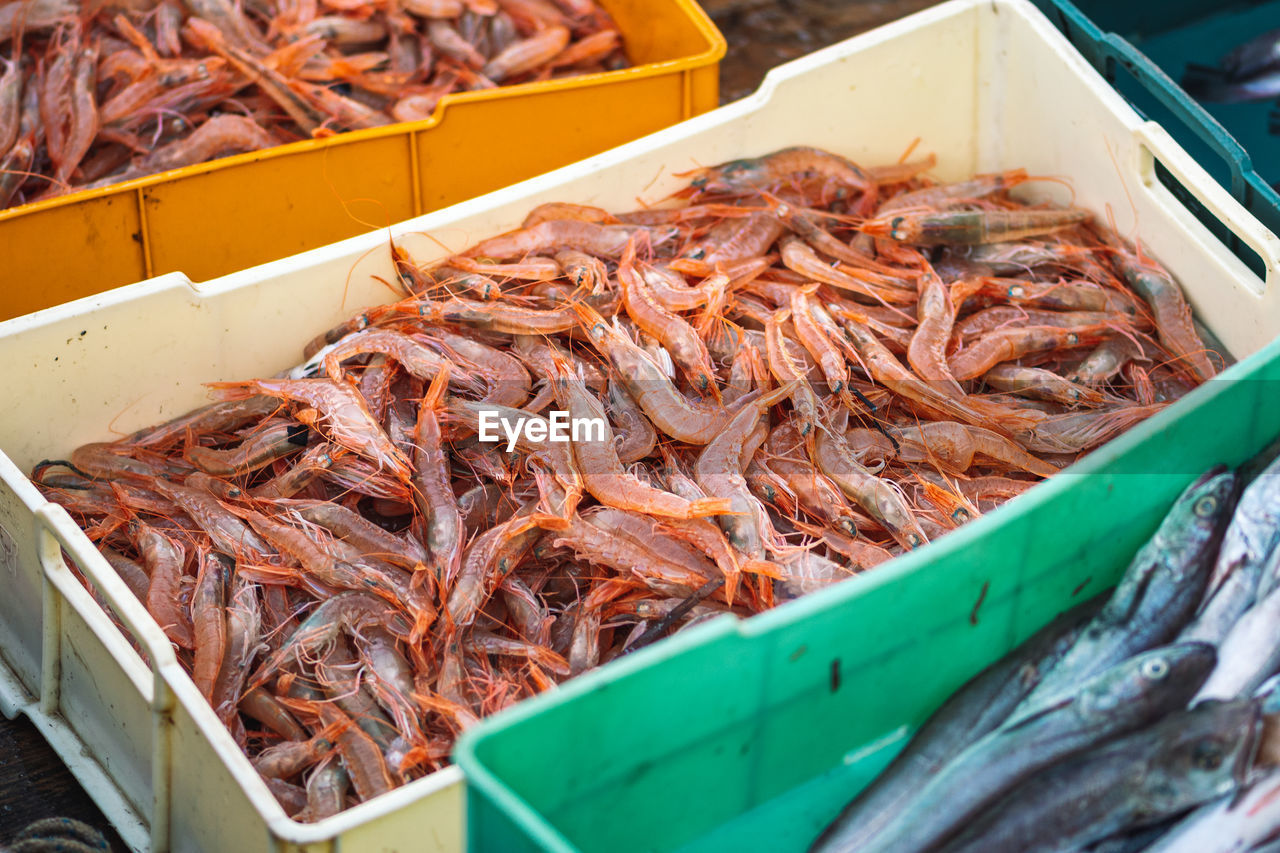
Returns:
(1155,144)
(1107,51)
(56,532)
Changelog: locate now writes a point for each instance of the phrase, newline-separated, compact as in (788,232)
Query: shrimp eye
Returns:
(913,540)
(1205,506)
(783,211)
(895,226)
(1207,756)
(697,254)
(1017,291)
(1154,669)
(699,182)
(1073,338)
(961,514)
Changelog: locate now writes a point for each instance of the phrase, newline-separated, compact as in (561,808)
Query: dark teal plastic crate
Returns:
(1142,49)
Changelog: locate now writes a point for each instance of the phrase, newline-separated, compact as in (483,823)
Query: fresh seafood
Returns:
(111,92)
(1112,748)
(572,439)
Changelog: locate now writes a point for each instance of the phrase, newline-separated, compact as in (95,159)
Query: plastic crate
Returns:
(1143,54)
(230,214)
(132,727)
(752,735)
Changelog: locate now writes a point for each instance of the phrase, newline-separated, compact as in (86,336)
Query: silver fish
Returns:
(1249,653)
(1130,695)
(1158,592)
(1188,758)
(1228,824)
(1238,578)
(975,709)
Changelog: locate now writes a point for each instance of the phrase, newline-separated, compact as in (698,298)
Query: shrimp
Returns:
(738,176)
(11,86)
(555,235)
(525,55)
(955,444)
(1001,316)
(274,441)
(807,409)
(669,410)
(361,755)
(218,136)
(1108,359)
(602,471)
(635,437)
(971,226)
(243,634)
(339,408)
(927,351)
(486,562)
(1171,312)
(719,472)
(83,122)
(875,495)
(209,620)
(1040,384)
(888,371)
(943,195)
(417,359)
(443,530)
(506,377)
(558,210)
(164,559)
(735,239)
(677,336)
(797,256)
(1009,344)
(1072,433)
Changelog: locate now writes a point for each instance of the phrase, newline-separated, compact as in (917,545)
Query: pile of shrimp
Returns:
(802,368)
(96,93)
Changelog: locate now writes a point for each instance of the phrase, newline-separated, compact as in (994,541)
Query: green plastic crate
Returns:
(752,735)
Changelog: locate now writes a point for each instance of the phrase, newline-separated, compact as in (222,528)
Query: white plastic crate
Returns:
(985,84)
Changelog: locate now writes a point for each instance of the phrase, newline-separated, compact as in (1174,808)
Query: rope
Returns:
(58,835)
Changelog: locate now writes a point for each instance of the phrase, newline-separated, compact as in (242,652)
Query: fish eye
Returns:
(1207,756)
(1154,669)
(1205,506)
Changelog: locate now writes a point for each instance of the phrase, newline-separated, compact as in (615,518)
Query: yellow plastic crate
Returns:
(230,214)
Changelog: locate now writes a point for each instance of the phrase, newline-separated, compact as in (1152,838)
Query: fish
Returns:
(1188,758)
(1205,83)
(1250,652)
(1238,578)
(1124,698)
(1158,591)
(1230,823)
(977,708)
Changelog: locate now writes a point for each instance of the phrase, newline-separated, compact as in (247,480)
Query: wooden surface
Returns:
(34,783)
